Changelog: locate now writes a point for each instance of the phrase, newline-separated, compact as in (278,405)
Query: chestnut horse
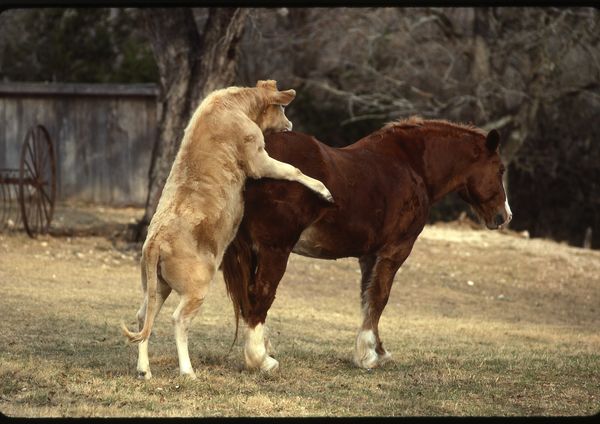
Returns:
(383,186)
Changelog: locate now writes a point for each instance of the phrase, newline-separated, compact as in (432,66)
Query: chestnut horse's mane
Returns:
(417,121)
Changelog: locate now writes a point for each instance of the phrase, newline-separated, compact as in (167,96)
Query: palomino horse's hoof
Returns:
(191,375)
(144,375)
(269,364)
(327,196)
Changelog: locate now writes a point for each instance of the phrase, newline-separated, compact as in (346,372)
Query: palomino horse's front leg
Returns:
(270,270)
(377,278)
(265,166)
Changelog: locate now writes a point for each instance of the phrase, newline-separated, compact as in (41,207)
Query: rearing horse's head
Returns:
(483,188)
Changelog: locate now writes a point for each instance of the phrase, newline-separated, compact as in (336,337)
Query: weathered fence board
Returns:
(103,136)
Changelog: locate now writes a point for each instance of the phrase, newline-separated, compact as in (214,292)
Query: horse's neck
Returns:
(441,162)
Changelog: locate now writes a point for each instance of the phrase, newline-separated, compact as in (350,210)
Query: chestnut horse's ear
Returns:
(492,140)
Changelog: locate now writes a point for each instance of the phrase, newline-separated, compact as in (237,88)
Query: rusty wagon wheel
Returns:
(37,185)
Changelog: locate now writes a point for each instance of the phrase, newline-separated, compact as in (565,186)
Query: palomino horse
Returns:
(383,186)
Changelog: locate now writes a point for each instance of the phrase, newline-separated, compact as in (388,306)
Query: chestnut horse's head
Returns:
(483,188)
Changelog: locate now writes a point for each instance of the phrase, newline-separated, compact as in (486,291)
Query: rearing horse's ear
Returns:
(283,97)
(274,96)
(492,140)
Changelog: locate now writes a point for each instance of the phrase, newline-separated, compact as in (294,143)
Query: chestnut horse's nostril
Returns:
(499,220)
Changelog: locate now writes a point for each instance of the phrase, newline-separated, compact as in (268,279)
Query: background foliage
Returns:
(75,45)
(534,73)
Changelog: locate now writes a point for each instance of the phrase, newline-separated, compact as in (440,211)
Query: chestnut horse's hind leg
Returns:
(271,267)
(377,278)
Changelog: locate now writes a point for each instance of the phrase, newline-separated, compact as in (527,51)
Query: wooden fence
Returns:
(103,136)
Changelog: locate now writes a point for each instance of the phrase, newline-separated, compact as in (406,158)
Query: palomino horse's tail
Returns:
(239,263)
(150,256)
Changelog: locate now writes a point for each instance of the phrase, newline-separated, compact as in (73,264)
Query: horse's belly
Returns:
(309,243)
(317,242)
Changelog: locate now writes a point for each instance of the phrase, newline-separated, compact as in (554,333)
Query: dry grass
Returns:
(522,339)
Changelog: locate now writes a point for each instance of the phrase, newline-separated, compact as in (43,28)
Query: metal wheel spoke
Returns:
(46,194)
(36,155)
(44,164)
(42,152)
(29,162)
(31,172)
(43,198)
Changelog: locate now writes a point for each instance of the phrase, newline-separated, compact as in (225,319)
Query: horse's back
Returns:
(300,150)
(276,211)
(369,187)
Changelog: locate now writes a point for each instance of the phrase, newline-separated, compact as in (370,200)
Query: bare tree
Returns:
(533,73)
(191,64)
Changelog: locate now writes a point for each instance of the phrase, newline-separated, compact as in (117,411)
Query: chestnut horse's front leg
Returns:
(378,273)
(271,267)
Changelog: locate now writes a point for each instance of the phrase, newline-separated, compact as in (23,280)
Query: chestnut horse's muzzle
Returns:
(500,220)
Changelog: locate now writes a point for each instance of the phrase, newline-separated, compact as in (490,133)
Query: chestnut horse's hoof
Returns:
(365,355)
(373,360)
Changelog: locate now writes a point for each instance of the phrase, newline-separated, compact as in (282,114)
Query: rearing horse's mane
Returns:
(417,121)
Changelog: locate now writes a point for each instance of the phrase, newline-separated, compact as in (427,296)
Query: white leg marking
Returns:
(365,355)
(181,339)
(364,350)
(255,350)
(143,364)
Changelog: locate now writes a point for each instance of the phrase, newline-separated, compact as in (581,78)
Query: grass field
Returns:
(479,323)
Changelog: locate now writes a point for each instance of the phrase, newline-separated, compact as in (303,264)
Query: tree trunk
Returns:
(191,65)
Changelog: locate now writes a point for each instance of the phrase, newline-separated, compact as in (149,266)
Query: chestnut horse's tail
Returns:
(239,265)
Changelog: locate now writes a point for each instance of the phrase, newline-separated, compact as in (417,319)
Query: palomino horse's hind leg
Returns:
(190,277)
(271,267)
(163,291)
(377,278)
